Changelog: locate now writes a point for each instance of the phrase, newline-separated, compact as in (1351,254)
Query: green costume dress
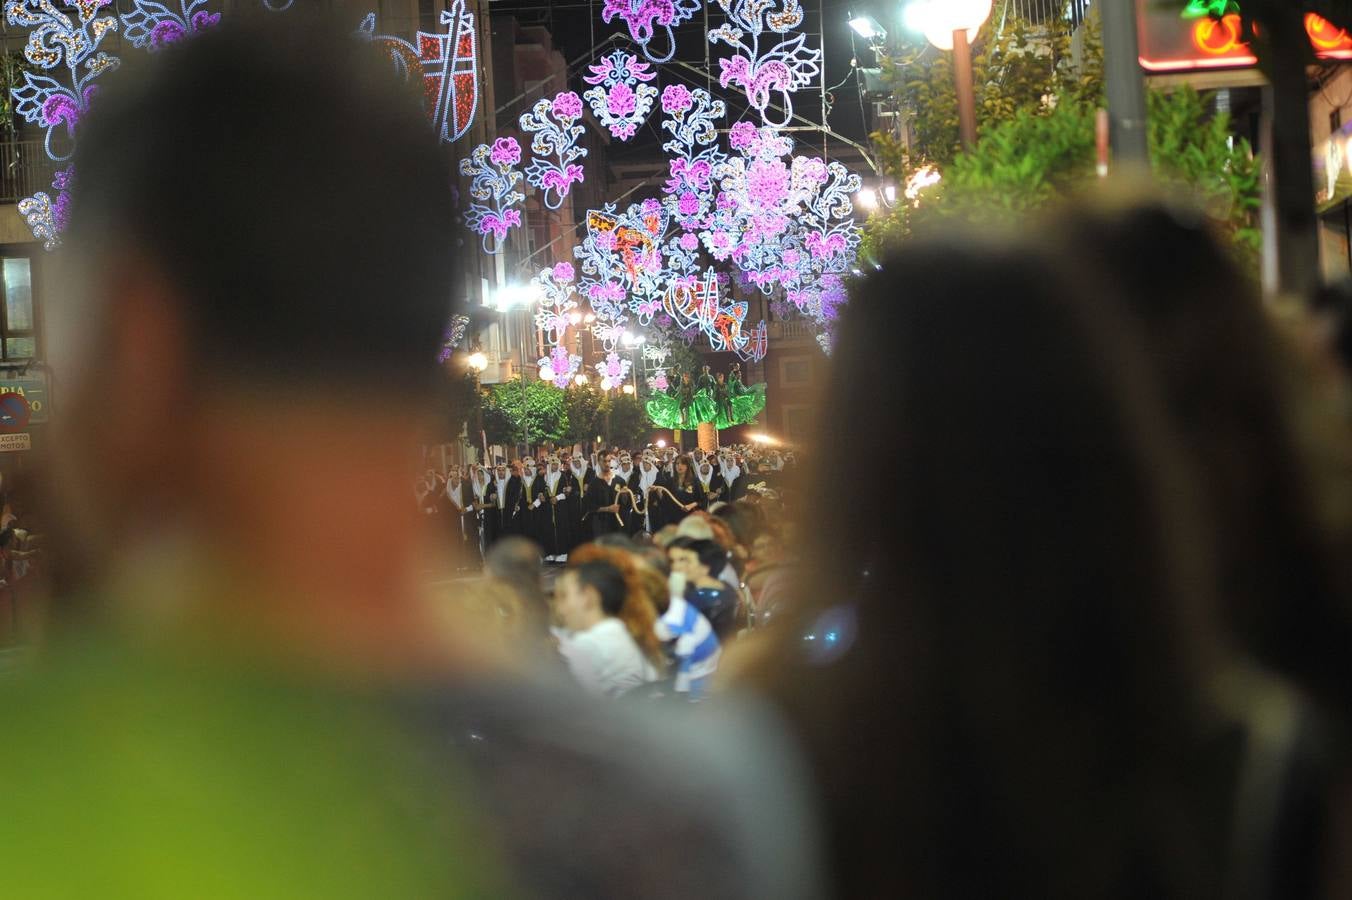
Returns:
(683,407)
(747,402)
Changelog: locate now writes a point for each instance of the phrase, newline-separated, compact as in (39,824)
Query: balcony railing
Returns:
(25,169)
(792,330)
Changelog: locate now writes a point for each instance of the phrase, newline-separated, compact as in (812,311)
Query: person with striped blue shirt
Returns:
(695,647)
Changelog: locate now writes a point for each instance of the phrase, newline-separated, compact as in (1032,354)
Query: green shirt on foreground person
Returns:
(142,777)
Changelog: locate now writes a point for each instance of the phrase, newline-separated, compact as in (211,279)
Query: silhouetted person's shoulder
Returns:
(632,800)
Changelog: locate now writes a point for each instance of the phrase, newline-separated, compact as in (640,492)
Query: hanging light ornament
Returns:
(642,15)
(555,289)
(152,26)
(493,177)
(759,71)
(621,100)
(613,372)
(447,65)
(555,126)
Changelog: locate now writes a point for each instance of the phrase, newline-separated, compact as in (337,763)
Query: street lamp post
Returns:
(522,296)
(953,25)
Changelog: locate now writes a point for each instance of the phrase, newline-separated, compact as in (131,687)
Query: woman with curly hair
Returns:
(639,610)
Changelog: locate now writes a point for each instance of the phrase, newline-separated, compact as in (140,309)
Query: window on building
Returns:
(795,372)
(18,339)
(797,423)
(427,16)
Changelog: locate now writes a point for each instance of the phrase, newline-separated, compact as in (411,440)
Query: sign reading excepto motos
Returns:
(34,390)
(12,442)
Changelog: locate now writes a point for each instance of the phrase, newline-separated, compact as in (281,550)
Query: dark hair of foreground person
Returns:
(1004,694)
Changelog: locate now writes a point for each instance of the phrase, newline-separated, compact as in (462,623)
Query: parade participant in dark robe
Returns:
(648,476)
(735,479)
(463,522)
(553,493)
(538,511)
(424,491)
(569,509)
(485,507)
(577,467)
(603,509)
(679,498)
(686,393)
(712,483)
(511,502)
(630,500)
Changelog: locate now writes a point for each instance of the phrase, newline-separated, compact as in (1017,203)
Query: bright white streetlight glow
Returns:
(580,379)
(661,444)
(890,193)
(938,19)
(868,28)
(575,317)
(478,361)
(868,198)
(546,373)
(589,318)
(628,389)
(920,179)
(763,439)
(513,295)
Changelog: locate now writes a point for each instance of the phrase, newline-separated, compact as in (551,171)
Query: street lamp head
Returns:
(478,361)
(589,318)
(580,380)
(938,19)
(868,198)
(575,317)
(661,444)
(628,389)
(868,28)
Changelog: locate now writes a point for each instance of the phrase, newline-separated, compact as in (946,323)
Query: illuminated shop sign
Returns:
(1211,34)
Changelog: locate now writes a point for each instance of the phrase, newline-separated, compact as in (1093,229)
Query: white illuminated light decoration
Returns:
(784,67)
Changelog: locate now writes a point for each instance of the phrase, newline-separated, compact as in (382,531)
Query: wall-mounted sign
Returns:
(34,391)
(12,442)
(1211,34)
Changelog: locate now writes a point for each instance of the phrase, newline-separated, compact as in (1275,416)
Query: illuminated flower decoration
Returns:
(554,123)
(760,71)
(613,372)
(658,381)
(455,333)
(559,367)
(554,286)
(646,18)
(69,41)
(446,63)
(621,99)
(506,152)
(694,153)
(622,257)
(676,98)
(152,25)
(492,183)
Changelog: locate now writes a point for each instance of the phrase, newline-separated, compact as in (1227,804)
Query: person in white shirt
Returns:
(602,655)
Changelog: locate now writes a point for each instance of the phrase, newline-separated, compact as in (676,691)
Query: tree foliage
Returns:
(626,420)
(532,412)
(1023,70)
(583,405)
(459,405)
(1038,91)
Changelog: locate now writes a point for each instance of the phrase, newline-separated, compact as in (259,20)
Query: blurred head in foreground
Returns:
(1231,389)
(258,278)
(1002,666)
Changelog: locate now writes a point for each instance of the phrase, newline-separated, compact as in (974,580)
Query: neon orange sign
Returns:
(1216,37)
(1170,43)
(1325,36)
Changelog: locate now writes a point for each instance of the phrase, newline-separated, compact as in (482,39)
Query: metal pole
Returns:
(962,78)
(1125,86)
(525,419)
